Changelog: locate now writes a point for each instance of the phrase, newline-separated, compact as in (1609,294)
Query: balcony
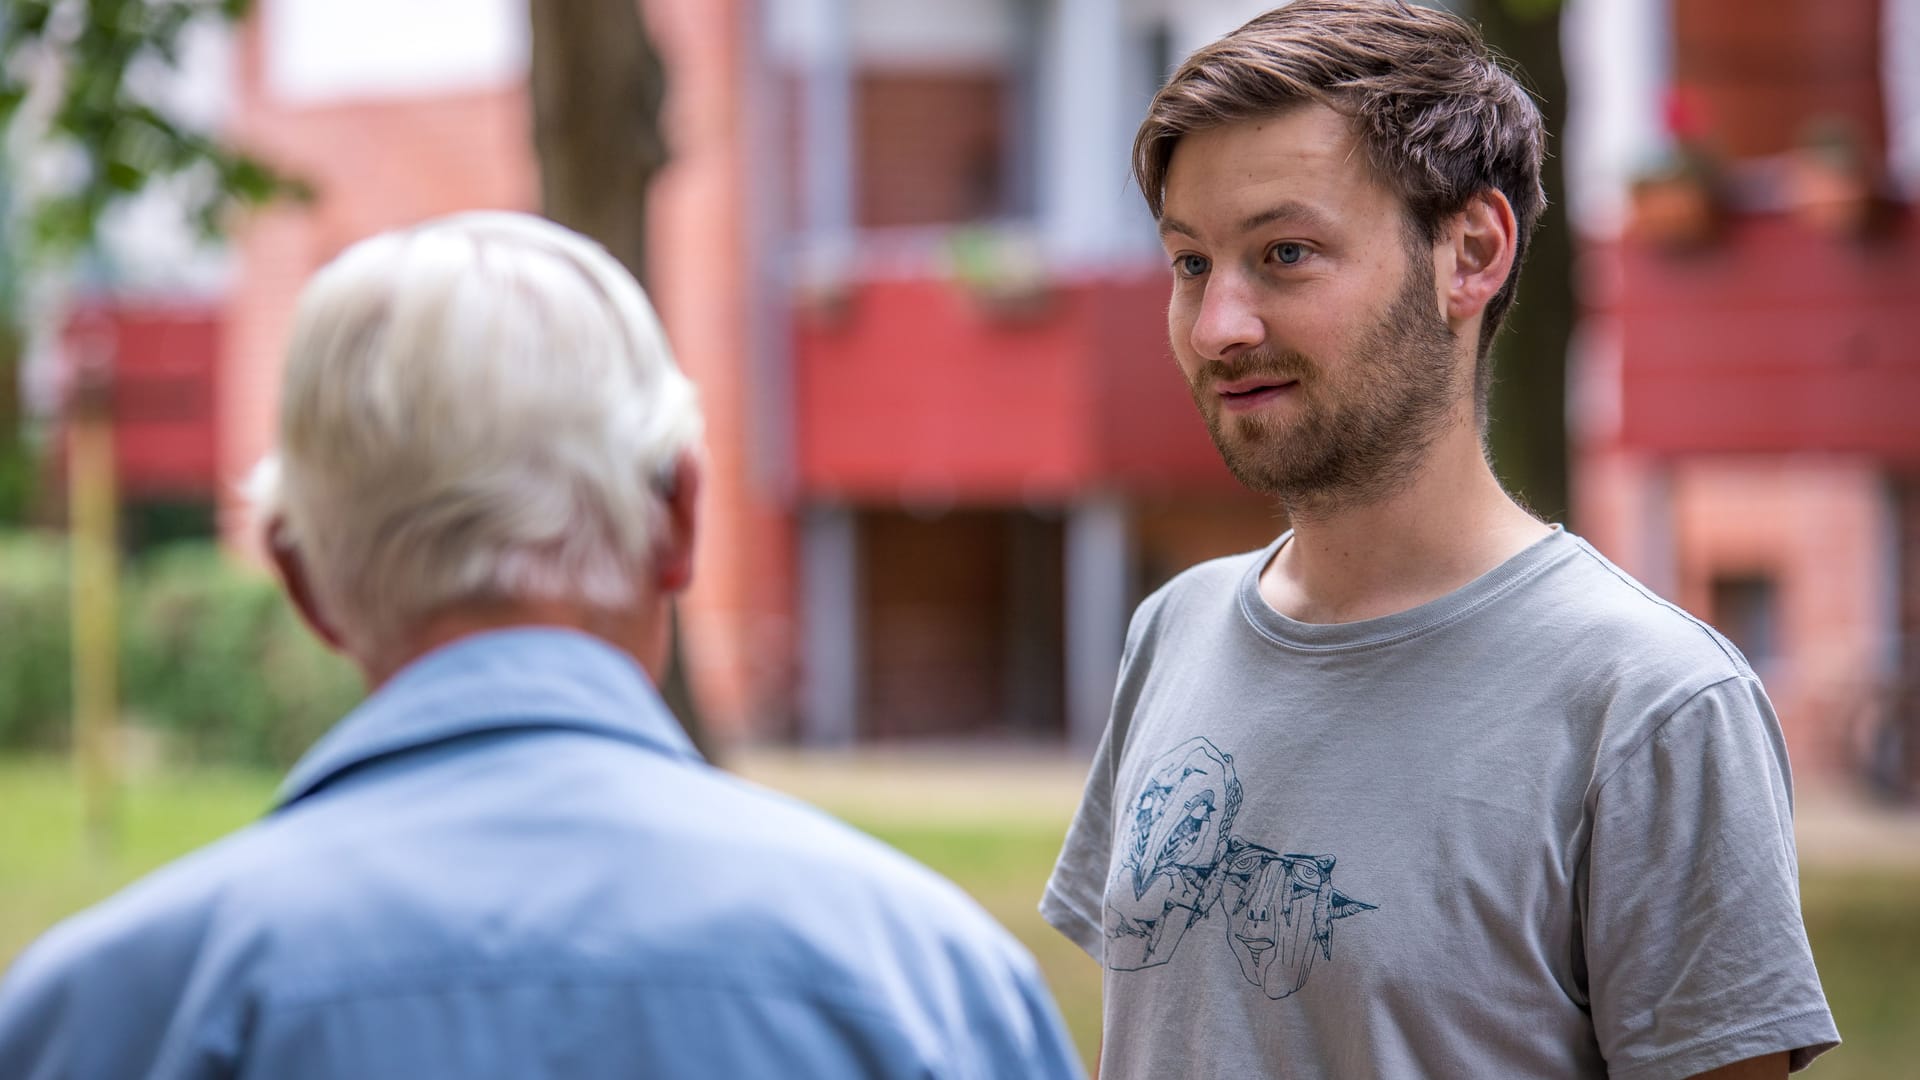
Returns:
(162,356)
(924,389)
(1773,340)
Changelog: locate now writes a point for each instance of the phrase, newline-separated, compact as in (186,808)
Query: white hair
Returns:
(479,408)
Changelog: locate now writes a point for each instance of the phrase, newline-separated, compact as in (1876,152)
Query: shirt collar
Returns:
(527,677)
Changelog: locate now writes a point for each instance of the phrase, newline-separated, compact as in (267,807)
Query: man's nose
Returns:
(1228,322)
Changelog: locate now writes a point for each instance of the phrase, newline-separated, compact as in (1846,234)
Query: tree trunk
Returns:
(1528,410)
(597,83)
(16,463)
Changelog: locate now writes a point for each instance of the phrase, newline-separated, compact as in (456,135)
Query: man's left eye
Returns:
(1289,254)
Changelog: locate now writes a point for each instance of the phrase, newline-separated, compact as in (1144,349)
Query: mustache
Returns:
(1280,367)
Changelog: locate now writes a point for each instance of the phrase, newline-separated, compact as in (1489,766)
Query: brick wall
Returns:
(930,146)
(737,620)
(1817,528)
(375,165)
(1761,71)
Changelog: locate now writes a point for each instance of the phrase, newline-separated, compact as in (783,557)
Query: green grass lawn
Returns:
(1865,924)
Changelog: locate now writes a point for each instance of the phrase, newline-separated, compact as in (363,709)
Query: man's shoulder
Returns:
(712,885)
(1611,618)
(1212,584)
(149,916)
(833,868)
(115,972)
(1214,576)
(640,865)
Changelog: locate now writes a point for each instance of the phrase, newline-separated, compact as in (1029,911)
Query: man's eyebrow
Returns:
(1290,210)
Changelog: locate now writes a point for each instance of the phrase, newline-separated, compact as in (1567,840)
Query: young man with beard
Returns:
(1427,787)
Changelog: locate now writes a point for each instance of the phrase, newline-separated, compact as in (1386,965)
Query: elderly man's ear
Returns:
(293,576)
(673,555)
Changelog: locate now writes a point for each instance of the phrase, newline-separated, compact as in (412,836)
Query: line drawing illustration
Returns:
(1181,863)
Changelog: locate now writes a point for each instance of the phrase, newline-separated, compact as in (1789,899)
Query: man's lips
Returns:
(1252,393)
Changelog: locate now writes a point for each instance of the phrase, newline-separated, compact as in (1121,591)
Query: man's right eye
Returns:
(1189,266)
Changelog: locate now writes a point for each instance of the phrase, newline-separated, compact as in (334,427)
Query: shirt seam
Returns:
(1725,1036)
(1587,549)
(850,1003)
(1627,757)
(1071,908)
(410,984)
(1633,752)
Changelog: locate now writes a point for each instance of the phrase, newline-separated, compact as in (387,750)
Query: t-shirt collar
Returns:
(1288,633)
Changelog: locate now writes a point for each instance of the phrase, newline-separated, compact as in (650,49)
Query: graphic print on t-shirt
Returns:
(1181,863)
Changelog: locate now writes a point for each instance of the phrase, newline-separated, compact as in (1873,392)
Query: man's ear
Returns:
(673,554)
(293,576)
(1482,245)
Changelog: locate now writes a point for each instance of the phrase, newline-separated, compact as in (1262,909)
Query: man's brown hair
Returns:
(1440,118)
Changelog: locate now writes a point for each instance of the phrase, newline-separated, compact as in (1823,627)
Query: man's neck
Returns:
(1448,524)
(639,632)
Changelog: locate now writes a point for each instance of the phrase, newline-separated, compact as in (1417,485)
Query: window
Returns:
(1746,608)
(931,146)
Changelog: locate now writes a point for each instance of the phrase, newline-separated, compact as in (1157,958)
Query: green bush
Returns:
(212,656)
(35,670)
(216,657)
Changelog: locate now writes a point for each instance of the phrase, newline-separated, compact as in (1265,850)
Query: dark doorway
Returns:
(963,622)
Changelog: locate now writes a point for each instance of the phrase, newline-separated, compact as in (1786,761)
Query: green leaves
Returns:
(29,16)
(94,59)
(79,81)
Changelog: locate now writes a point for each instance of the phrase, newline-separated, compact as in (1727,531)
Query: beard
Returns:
(1349,444)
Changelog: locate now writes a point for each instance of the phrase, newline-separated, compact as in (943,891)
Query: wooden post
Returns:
(93,530)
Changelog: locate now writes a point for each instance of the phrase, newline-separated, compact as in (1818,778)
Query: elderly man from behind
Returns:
(510,862)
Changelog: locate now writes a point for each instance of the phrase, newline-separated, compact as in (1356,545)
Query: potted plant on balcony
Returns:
(1678,199)
(823,283)
(1832,187)
(1677,203)
(1003,269)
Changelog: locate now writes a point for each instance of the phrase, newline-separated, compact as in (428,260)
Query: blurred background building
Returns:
(1747,406)
(897,248)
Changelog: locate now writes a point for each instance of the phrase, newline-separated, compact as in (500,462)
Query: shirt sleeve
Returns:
(1696,952)
(32,1024)
(1077,887)
(113,991)
(1028,1038)
(1076,890)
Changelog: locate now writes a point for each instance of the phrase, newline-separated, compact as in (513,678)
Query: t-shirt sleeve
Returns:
(1077,889)
(1696,952)
(1077,886)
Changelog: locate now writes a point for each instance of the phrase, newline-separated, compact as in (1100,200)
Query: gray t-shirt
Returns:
(1539,827)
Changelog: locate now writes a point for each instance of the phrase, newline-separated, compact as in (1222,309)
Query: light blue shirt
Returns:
(510,862)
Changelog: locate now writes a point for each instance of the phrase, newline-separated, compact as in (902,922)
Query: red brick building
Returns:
(948,451)
(1749,417)
(896,250)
